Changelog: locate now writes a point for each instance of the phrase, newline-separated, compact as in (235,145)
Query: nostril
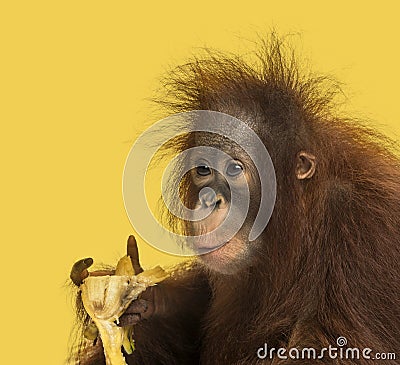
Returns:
(208,202)
(212,201)
(207,197)
(221,202)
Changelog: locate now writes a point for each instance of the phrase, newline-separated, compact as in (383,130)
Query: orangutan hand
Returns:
(141,308)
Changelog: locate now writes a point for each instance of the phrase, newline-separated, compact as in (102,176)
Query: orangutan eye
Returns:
(234,169)
(203,170)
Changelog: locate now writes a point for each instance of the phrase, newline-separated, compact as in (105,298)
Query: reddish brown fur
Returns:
(328,263)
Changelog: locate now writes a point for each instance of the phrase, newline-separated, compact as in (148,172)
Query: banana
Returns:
(91,332)
(128,343)
(124,267)
(105,299)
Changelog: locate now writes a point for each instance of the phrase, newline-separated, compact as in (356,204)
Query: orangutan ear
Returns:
(305,167)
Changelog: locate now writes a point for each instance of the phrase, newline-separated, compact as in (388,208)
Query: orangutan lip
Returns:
(204,251)
(203,248)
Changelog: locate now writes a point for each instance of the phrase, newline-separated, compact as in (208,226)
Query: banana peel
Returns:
(106,298)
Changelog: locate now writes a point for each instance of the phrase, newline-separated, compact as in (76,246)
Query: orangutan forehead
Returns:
(235,149)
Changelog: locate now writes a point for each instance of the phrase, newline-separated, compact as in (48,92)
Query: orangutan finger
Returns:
(79,270)
(138,306)
(102,272)
(133,253)
(129,320)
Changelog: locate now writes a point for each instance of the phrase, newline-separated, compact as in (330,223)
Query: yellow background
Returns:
(74,78)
